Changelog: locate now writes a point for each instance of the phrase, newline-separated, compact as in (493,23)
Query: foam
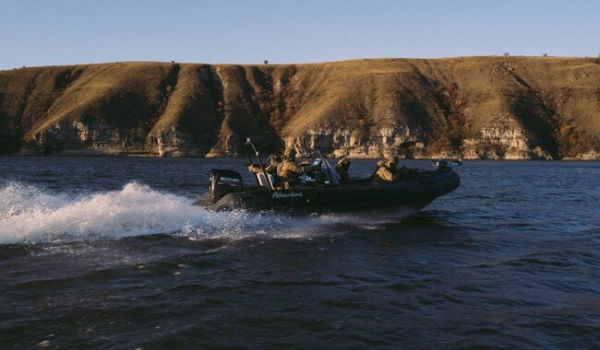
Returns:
(31,215)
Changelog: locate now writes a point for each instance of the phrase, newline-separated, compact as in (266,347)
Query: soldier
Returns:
(388,172)
(342,170)
(288,170)
(271,168)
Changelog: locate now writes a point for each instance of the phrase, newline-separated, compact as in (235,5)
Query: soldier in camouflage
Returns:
(271,168)
(388,172)
(289,171)
(342,170)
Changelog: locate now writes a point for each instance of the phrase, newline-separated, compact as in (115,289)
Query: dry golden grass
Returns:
(540,94)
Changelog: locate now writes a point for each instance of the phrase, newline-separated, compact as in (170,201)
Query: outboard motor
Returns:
(223,182)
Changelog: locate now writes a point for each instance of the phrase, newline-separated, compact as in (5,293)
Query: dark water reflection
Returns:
(105,253)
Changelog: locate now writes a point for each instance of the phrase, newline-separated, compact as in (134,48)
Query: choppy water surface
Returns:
(107,253)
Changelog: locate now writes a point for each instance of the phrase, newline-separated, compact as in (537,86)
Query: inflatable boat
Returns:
(320,191)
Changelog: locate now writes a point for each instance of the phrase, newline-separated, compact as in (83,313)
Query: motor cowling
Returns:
(223,182)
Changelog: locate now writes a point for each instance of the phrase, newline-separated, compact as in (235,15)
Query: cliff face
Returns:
(476,107)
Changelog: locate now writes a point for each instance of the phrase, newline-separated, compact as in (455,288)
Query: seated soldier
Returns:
(271,168)
(388,172)
(342,170)
(289,171)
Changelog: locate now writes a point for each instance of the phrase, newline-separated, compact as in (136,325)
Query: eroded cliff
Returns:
(474,107)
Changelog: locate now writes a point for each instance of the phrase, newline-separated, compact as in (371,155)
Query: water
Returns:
(107,253)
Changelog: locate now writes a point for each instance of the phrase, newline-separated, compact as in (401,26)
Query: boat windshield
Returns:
(322,173)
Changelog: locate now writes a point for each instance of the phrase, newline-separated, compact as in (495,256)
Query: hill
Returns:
(473,107)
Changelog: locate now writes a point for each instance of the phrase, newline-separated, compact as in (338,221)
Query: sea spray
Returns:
(28,214)
(32,215)
(16,198)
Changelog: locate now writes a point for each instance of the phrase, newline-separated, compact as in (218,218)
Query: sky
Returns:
(65,32)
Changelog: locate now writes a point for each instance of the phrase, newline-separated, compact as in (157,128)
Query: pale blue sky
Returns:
(55,32)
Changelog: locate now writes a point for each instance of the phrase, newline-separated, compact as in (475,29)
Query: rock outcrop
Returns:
(473,107)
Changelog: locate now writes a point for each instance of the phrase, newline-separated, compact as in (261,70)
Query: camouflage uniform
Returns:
(288,170)
(388,172)
(271,168)
(342,170)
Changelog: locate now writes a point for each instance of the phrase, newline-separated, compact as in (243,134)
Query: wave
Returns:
(29,214)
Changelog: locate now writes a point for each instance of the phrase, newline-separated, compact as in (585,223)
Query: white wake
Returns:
(31,215)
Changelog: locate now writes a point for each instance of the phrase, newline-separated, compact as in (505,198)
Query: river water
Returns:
(107,253)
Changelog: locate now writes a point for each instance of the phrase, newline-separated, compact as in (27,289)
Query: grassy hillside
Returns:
(476,107)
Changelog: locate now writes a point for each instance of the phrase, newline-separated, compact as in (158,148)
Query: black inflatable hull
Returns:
(415,193)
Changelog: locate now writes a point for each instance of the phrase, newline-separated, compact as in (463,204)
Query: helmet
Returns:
(290,153)
(389,160)
(344,162)
(274,158)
